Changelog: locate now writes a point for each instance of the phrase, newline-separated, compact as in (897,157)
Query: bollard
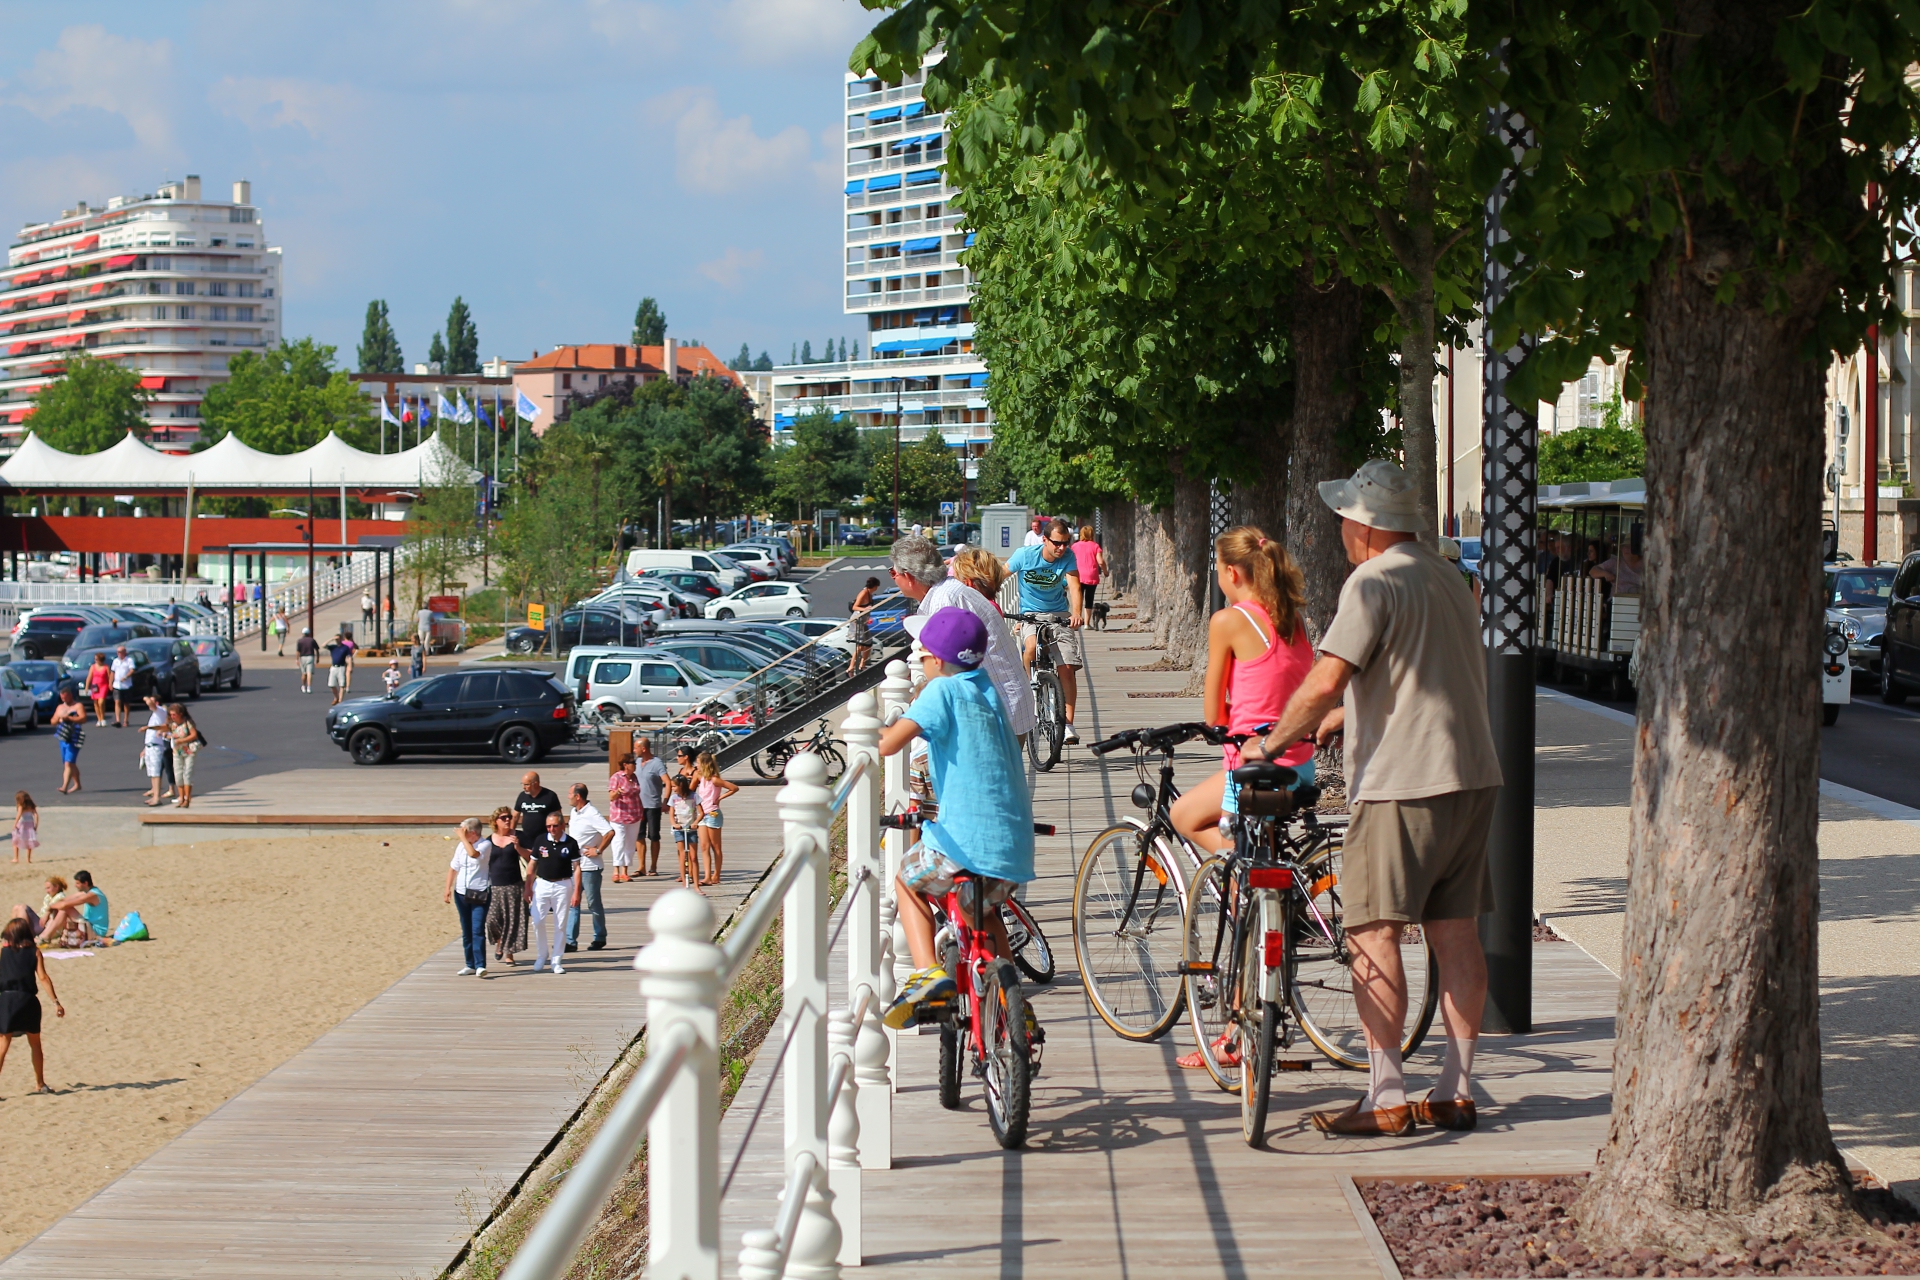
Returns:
(864,950)
(806,808)
(680,979)
(843,1135)
(895,691)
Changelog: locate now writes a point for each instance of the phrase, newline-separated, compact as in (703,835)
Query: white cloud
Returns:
(720,156)
(325,112)
(730,268)
(90,67)
(796,31)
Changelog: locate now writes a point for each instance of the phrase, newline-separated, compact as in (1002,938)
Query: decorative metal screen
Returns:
(1509,441)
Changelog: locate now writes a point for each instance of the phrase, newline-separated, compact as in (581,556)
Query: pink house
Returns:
(579,372)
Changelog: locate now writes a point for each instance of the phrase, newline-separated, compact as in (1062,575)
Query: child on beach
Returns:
(392,675)
(26,826)
(684,813)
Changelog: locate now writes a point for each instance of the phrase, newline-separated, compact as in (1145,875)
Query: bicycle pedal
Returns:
(1294,1064)
(1196,966)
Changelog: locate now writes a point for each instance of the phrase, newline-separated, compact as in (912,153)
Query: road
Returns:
(1874,748)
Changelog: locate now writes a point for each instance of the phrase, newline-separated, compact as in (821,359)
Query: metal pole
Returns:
(310,582)
(232,633)
(379,600)
(898,385)
(1870,453)
(1508,457)
(1447,525)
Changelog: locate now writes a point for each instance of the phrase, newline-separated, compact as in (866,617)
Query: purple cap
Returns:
(951,635)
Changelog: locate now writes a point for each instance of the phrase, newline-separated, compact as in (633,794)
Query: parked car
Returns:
(733,661)
(219,661)
(855,536)
(769,638)
(1900,644)
(762,600)
(774,542)
(625,625)
(819,629)
(73,669)
(176,667)
(1856,598)
(729,574)
(18,704)
(1470,555)
(43,679)
(645,594)
(517,714)
(757,557)
(104,636)
(48,633)
(652,684)
(705,586)
(754,571)
(962,533)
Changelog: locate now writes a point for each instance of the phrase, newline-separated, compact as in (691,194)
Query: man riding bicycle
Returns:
(1049,580)
(985,824)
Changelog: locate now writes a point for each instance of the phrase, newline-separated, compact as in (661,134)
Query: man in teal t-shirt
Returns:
(1049,581)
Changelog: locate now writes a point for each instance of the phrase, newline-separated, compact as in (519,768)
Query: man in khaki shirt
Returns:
(1404,651)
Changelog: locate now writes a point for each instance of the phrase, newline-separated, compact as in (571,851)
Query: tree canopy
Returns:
(1593,453)
(90,406)
(285,400)
(379,347)
(463,340)
(649,324)
(824,465)
(929,475)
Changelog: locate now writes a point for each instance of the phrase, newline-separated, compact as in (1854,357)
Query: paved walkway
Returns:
(377,1149)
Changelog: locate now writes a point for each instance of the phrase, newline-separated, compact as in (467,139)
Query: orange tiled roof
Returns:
(609,357)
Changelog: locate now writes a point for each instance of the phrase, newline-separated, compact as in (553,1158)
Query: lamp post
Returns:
(899,384)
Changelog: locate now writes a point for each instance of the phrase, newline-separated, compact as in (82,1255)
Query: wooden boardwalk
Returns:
(1135,1168)
(376,1150)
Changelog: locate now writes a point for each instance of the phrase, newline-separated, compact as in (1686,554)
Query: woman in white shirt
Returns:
(155,751)
(471,892)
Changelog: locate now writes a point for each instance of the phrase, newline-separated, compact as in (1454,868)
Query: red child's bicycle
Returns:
(986,1023)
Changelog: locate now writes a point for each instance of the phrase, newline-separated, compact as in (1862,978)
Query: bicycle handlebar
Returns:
(1165,738)
(913,818)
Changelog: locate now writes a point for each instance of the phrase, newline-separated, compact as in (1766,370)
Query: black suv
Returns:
(518,714)
(1900,642)
(48,634)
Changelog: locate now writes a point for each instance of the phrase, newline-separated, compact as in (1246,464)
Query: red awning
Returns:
(58,273)
(68,340)
(76,315)
(86,243)
(98,288)
(22,281)
(153,383)
(120,260)
(43,299)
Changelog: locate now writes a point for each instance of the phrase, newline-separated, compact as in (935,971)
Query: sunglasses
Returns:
(1055,542)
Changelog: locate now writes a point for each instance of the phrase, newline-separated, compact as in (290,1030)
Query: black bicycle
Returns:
(1049,699)
(772,761)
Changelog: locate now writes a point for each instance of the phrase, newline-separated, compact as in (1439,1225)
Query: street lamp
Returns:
(899,385)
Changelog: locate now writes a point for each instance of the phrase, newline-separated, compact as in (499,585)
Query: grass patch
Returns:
(501,1217)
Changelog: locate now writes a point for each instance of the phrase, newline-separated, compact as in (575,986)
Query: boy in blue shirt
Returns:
(1049,581)
(985,823)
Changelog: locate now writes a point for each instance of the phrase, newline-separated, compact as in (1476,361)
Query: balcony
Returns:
(906,230)
(907,298)
(872,267)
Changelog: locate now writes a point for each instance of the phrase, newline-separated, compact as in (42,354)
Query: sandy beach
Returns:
(259,947)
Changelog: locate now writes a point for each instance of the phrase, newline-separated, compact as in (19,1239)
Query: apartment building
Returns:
(170,284)
(903,277)
(568,376)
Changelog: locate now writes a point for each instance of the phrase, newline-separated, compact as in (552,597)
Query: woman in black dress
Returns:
(20,964)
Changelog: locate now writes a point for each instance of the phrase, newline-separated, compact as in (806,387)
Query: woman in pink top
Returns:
(1091,565)
(1257,655)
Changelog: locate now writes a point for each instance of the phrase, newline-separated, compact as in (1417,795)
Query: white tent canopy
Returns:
(134,467)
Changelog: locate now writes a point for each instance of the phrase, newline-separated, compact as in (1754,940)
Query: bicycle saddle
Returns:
(1264,775)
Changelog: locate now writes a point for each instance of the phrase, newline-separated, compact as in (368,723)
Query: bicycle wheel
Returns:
(1129,899)
(1259,1032)
(1208,941)
(835,762)
(771,764)
(1049,721)
(950,1068)
(1319,978)
(1006,1056)
(1030,948)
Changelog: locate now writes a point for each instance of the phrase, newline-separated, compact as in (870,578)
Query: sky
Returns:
(550,162)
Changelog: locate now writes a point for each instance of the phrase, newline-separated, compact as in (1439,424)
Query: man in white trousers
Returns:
(556,887)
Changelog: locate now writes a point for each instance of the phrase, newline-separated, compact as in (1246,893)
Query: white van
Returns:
(641,559)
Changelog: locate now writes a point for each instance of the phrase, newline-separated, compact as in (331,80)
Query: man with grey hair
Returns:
(918,572)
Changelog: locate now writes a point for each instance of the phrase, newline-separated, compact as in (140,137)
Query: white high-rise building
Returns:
(903,276)
(169,284)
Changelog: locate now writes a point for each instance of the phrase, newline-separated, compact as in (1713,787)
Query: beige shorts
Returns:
(1418,860)
(1067,649)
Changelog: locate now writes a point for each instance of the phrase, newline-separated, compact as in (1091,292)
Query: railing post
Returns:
(843,1138)
(873,1052)
(806,808)
(680,978)
(895,692)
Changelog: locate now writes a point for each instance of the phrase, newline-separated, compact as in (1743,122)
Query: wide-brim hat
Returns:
(1379,495)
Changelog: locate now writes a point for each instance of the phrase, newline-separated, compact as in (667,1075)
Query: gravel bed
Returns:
(1524,1227)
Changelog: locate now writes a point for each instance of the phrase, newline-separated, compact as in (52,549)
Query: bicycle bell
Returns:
(1143,796)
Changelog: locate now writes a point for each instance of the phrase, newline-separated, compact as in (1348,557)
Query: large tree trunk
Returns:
(1180,577)
(1414,245)
(1328,344)
(1718,1133)
(1266,435)
(1116,521)
(1150,526)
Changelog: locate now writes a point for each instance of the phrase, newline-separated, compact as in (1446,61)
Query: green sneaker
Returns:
(927,985)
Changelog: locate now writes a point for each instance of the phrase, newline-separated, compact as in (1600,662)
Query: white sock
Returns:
(1456,1072)
(1388,1085)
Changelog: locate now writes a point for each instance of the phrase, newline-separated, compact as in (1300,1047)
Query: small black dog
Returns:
(1099,615)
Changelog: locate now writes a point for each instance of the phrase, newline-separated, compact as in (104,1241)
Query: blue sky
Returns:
(551,162)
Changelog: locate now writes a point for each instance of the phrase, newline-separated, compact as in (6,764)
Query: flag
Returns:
(464,414)
(424,409)
(406,411)
(386,414)
(441,408)
(525,407)
(480,413)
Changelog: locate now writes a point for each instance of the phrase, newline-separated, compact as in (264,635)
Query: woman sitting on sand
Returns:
(82,914)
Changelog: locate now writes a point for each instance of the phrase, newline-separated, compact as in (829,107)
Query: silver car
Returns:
(1856,598)
(219,662)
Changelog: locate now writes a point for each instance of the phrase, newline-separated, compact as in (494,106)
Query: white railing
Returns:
(836,1064)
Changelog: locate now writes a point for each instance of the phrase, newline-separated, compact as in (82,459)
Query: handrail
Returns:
(855,773)
(550,1246)
(764,1253)
(745,938)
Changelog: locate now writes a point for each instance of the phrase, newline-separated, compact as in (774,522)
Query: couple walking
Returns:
(1402,676)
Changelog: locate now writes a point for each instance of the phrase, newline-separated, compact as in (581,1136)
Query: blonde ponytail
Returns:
(1271,576)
